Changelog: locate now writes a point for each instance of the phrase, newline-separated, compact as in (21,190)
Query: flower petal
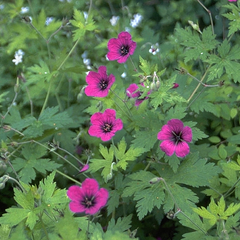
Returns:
(90,187)
(187,134)
(175,125)
(165,133)
(75,193)
(101,198)
(182,149)
(168,147)
(76,207)
(102,71)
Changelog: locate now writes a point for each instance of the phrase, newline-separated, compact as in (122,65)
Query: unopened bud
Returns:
(3,167)
(153,86)
(175,85)
(100,106)
(26,19)
(3,180)
(154,180)
(65,21)
(7,127)
(194,26)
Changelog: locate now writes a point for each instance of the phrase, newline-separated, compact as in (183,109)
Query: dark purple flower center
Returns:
(107,127)
(88,202)
(177,137)
(103,83)
(124,50)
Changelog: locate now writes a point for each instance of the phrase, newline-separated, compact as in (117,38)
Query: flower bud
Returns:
(175,85)
(3,167)
(154,180)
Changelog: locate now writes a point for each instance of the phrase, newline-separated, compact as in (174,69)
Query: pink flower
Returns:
(175,137)
(232,0)
(105,125)
(88,198)
(99,82)
(133,93)
(121,48)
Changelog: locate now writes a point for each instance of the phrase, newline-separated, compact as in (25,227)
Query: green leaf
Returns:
(147,196)
(82,24)
(234,24)
(122,224)
(146,67)
(198,46)
(40,72)
(193,235)
(32,162)
(130,155)
(203,212)
(214,139)
(51,119)
(105,163)
(225,62)
(14,216)
(52,196)
(184,197)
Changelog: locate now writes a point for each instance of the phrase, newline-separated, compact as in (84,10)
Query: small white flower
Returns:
(49,20)
(127,29)
(123,75)
(87,61)
(154,49)
(17,59)
(2,6)
(19,52)
(137,18)
(24,10)
(114,20)
(84,55)
(85,14)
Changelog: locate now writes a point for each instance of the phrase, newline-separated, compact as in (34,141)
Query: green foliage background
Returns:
(45,117)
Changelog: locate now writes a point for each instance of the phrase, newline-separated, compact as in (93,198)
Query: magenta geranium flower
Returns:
(133,93)
(175,137)
(99,82)
(105,125)
(232,0)
(121,48)
(88,198)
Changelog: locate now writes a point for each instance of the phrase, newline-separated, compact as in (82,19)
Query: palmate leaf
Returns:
(226,61)
(105,162)
(49,119)
(147,195)
(32,162)
(165,93)
(122,224)
(197,47)
(82,24)
(124,156)
(234,24)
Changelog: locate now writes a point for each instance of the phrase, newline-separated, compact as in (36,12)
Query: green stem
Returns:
(199,84)
(18,183)
(66,176)
(130,114)
(135,69)
(43,226)
(57,155)
(229,191)
(70,155)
